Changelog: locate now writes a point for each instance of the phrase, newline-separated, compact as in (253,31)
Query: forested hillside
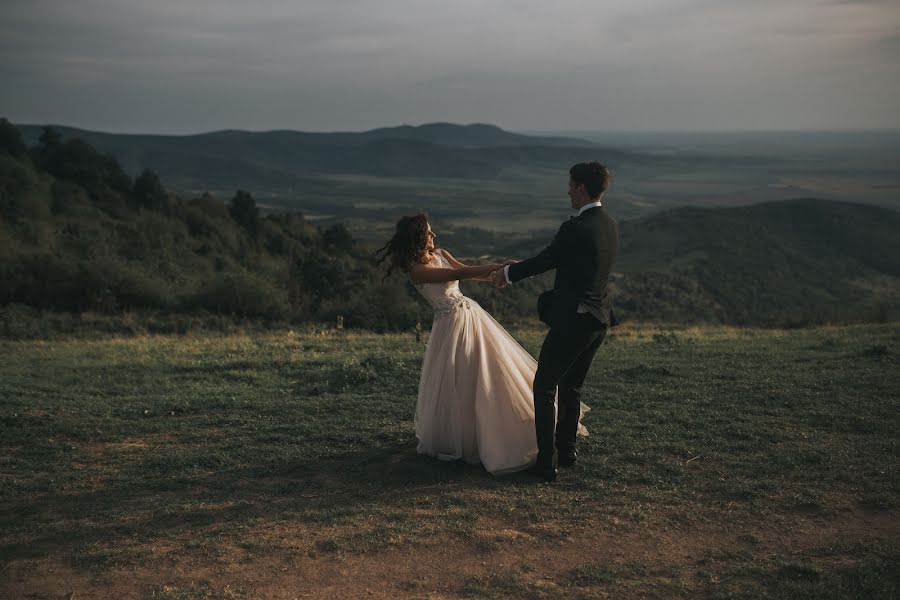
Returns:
(78,234)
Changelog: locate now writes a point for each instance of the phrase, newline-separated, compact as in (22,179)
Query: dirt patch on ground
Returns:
(502,559)
(131,444)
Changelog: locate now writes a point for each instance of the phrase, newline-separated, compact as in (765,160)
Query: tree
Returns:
(47,146)
(11,140)
(338,237)
(50,138)
(149,192)
(14,175)
(76,161)
(242,209)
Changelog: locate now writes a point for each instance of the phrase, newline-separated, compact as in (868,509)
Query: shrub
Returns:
(243,210)
(149,192)
(242,294)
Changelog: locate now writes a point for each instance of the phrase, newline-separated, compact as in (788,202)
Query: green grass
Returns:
(771,454)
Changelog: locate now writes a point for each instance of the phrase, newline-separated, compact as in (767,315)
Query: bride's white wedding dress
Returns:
(475,398)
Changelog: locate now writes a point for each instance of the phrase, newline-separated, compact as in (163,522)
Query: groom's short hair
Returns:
(593,175)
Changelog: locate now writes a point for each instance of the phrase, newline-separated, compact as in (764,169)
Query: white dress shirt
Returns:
(590,206)
(581,307)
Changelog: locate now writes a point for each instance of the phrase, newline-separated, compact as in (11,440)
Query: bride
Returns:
(475,391)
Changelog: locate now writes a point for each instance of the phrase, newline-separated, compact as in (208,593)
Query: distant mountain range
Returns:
(269,159)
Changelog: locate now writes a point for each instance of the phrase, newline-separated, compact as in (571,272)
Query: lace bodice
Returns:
(443,297)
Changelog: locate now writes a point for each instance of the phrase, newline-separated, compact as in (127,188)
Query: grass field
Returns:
(722,463)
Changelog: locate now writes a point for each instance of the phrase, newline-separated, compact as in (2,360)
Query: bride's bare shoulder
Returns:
(418,268)
(445,254)
(431,263)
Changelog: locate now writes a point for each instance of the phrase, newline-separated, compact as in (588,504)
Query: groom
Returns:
(577,310)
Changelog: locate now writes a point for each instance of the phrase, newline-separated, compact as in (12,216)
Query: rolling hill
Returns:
(793,261)
(474,175)
(262,160)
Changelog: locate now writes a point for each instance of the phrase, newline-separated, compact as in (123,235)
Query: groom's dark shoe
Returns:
(545,472)
(567,458)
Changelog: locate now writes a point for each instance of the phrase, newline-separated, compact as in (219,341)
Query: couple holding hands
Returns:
(482,397)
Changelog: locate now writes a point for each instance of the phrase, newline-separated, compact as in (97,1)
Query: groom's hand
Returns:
(499,278)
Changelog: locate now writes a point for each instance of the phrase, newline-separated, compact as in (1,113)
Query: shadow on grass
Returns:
(329,490)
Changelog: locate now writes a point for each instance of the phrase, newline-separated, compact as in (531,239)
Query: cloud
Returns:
(346,64)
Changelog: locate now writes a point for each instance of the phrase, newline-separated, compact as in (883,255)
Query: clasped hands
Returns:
(498,277)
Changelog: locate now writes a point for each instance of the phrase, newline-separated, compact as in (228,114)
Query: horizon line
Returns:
(534,132)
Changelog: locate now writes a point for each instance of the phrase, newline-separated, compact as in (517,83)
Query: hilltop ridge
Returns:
(230,158)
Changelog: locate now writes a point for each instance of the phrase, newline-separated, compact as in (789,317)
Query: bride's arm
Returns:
(453,262)
(422,274)
(456,264)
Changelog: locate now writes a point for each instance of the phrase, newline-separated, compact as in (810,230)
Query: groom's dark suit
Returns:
(579,314)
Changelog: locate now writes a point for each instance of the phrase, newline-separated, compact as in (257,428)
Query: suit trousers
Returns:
(565,358)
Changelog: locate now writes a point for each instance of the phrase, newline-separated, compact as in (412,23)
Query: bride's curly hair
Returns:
(407,246)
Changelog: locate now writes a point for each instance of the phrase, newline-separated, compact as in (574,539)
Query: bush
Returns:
(243,210)
(241,294)
(78,162)
(105,284)
(149,192)
(17,186)
(11,140)
(128,285)
(384,308)
(68,198)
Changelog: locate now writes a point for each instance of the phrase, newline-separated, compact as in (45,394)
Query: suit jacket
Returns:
(582,252)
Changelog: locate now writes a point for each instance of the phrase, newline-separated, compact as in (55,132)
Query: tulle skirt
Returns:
(475,400)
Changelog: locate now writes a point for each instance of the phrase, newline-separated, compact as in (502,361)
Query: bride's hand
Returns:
(494,267)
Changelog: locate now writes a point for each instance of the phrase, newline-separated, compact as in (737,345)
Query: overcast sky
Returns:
(183,66)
